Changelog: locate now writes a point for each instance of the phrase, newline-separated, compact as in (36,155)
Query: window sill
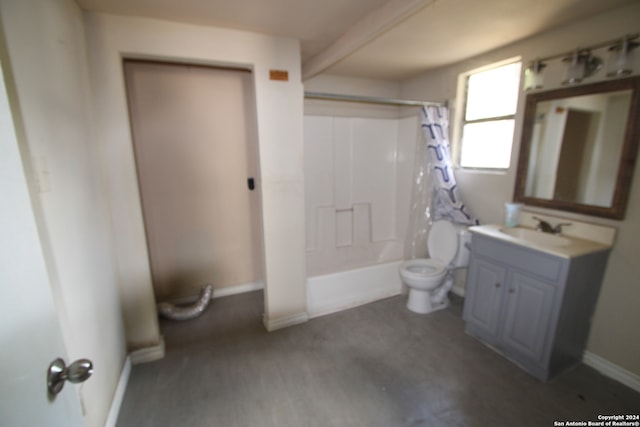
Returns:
(481,171)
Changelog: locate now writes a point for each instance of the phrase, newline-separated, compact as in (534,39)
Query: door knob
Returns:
(79,371)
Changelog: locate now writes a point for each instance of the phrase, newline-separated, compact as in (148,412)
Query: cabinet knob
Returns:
(497,285)
(511,290)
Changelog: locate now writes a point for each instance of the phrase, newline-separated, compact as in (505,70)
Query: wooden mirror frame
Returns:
(628,154)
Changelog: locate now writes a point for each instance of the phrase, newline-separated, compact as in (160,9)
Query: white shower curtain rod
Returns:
(370,99)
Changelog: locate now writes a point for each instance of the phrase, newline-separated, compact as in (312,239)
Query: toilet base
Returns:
(422,302)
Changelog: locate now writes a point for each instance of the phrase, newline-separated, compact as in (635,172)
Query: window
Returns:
(491,100)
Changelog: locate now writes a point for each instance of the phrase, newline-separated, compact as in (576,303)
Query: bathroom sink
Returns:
(536,237)
(565,245)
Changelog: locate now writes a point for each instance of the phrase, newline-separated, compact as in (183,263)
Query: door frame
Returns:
(254,147)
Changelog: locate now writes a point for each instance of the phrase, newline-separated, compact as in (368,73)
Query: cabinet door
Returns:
(484,296)
(529,307)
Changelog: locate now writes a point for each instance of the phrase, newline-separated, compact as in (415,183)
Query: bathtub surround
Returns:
(355,192)
(356,196)
(349,262)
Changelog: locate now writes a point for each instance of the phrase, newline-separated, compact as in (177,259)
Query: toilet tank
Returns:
(464,244)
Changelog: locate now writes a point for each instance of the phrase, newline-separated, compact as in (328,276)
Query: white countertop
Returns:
(570,248)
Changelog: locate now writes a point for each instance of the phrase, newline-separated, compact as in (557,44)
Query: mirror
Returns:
(578,148)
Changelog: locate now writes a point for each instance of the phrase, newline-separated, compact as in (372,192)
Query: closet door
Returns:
(195,148)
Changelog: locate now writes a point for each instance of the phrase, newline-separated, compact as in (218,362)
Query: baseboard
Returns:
(118,396)
(283,322)
(148,354)
(460,282)
(335,292)
(221,292)
(237,289)
(458,290)
(612,370)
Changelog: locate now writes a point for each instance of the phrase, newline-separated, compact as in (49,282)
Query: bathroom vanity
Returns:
(531,295)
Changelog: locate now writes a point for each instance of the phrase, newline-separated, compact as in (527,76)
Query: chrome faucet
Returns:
(545,227)
(558,228)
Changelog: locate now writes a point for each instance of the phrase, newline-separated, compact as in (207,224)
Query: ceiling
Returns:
(382,39)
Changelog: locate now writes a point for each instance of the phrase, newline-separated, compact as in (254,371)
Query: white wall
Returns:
(279,115)
(48,61)
(614,331)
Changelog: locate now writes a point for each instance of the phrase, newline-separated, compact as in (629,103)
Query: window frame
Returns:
(460,116)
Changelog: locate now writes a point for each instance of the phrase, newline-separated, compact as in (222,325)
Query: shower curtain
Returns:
(435,192)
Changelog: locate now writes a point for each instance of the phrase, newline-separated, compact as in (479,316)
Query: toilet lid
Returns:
(443,241)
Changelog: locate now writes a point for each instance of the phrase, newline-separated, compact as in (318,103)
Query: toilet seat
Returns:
(442,242)
(422,268)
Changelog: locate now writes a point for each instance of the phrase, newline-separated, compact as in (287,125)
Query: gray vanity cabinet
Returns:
(532,307)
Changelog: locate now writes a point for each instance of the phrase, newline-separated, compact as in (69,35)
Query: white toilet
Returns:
(430,279)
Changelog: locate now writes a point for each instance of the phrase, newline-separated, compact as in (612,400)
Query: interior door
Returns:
(30,336)
(196,150)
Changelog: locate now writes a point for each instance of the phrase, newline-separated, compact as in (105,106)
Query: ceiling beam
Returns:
(362,32)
